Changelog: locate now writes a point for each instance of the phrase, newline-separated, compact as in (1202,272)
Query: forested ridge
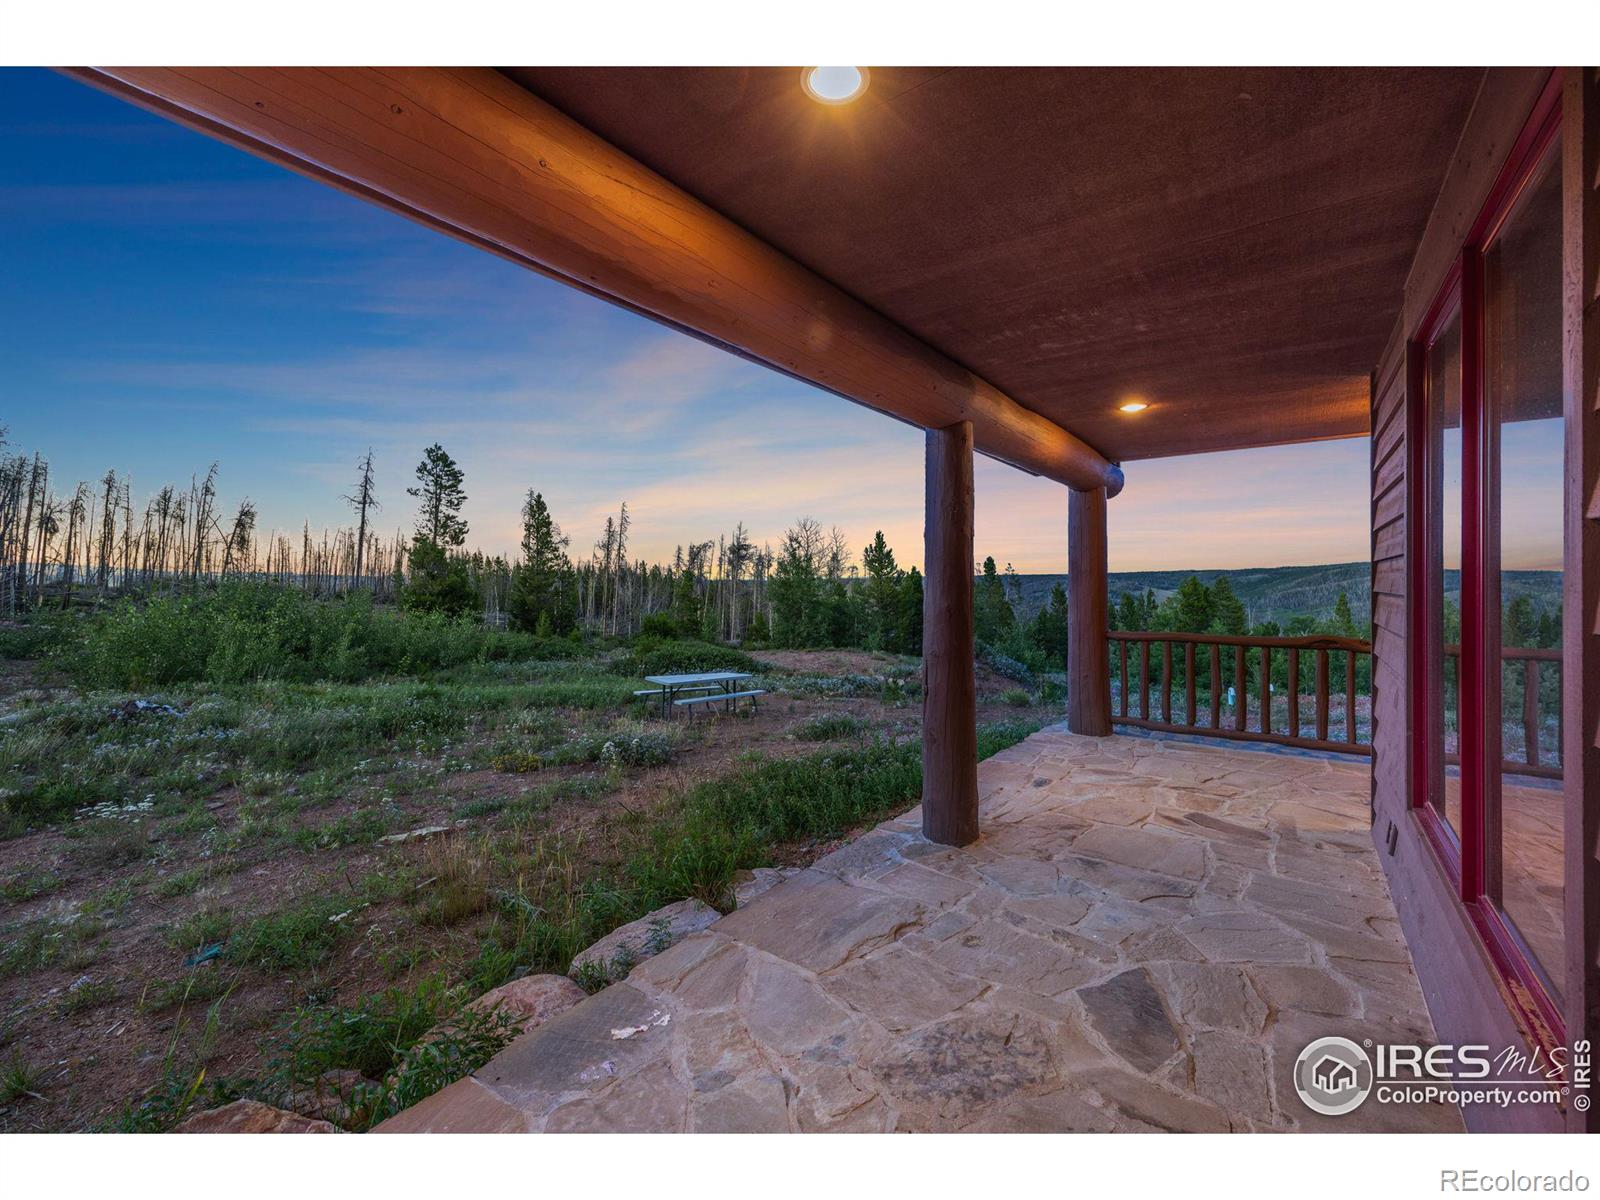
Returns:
(91,544)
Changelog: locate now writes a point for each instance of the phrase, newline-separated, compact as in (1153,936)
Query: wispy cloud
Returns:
(181,303)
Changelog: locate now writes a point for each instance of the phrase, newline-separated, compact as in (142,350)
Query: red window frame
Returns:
(1472,862)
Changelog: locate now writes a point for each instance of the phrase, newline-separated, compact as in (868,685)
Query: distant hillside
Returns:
(1278,593)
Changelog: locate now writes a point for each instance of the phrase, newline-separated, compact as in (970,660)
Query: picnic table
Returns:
(706,686)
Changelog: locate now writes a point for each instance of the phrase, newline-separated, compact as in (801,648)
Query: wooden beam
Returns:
(1088,623)
(1580,669)
(470,152)
(950,688)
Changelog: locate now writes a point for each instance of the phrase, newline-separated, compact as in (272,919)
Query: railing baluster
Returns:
(1216,685)
(1445,689)
(1239,704)
(1124,703)
(1294,691)
(1166,681)
(1188,685)
(1350,696)
(1561,720)
(1202,656)
(1530,711)
(1266,689)
(1322,695)
(1144,681)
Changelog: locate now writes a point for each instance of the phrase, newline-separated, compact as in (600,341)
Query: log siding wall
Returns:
(1464,990)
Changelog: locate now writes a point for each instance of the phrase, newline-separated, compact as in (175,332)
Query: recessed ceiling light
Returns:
(1132,406)
(834,85)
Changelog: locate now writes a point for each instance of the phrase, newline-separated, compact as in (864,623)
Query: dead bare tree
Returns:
(237,543)
(363,501)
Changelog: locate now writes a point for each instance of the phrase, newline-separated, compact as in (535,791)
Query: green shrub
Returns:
(659,625)
(735,822)
(1016,697)
(359,828)
(81,997)
(592,695)
(183,883)
(436,582)
(626,746)
(202,985)
(247,631)
(1002,735)
(369,1037)
(516,762)
(34,638)
(382,1038)
(1004,664)
(204,928)
(682,657)
(28,885)
(35,945)
(830,728)
(20,1081)
(293,938)
(461,1045)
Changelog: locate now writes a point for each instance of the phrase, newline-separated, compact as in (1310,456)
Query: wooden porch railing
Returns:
(1222,697)
(1211,711)
(1534,663)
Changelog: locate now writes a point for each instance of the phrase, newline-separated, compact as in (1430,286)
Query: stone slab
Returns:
(822,921)
(614,955)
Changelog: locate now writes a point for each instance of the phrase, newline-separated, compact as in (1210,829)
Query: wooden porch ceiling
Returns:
(1229,244)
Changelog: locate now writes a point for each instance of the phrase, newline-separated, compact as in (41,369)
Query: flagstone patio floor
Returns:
(1144,938)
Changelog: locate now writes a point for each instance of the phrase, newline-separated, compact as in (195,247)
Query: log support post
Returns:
(950,688)
(1088,623)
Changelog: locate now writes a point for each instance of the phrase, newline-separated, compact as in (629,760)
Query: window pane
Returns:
(1444,421)
(1522,378)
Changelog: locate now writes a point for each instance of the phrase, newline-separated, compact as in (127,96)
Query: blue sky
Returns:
(171,301)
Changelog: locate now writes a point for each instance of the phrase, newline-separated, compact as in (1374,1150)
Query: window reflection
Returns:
(1444,427)
(1522,382)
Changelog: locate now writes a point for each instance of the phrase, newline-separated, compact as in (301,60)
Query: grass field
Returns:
(197,897)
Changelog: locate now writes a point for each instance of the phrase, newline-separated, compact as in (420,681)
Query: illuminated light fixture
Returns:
(1133,406)
(834,85)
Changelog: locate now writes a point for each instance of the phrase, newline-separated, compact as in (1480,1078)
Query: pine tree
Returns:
(1050,626)
(435,583)
(1227,610)
(1550,627)
(1191,607)
(439,488)
(1130,612)
(908,622)
(795,589)
(992,615)
(537,595)
(1344,624)
(882,593)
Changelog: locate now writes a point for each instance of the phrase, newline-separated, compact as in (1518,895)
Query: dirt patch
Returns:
(833,662)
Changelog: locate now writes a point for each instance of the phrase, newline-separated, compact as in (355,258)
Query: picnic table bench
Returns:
(687,691)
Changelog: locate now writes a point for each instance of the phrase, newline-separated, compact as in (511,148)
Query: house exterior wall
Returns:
(1581,601)
(1466,991)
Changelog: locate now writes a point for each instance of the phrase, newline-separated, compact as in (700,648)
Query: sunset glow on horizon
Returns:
(175,302)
